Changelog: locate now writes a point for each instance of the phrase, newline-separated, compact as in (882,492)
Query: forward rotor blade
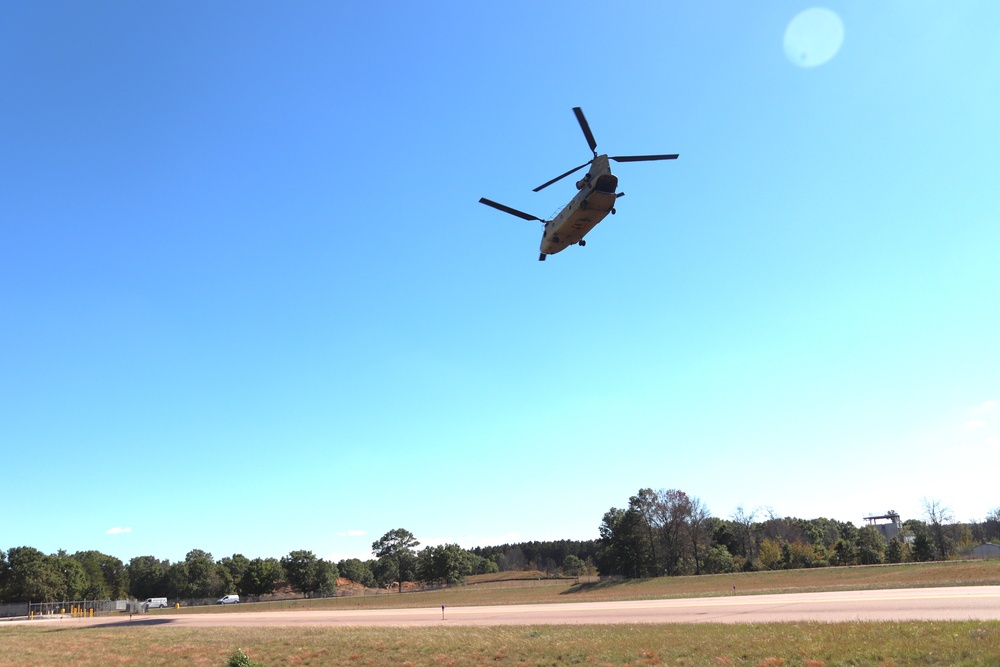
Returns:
(586,129)
(644,158)
(508,209)
(545,185)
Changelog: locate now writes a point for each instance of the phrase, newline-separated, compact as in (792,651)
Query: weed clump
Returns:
(241,659)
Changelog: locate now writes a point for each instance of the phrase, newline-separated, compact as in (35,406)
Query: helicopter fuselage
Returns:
(594,200)
(591,204)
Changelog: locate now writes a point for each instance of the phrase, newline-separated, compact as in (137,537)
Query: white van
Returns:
(228,599)
(155,603)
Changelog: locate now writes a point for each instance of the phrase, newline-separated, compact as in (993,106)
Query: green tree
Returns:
(845,552)
(107,576)
(385,571)
(4,576)
(396,545)
(894,551)
(870,546)
(449,563)
(770,554)
(176,582)
(923,544)
(236,565)
(206,578)
(624,548)
(32,576)
(572,566)
(302,570)
(260,576)
(991,526)
(485,566)
(326,577)
(718,560)
(147,577)
(357,571)
(73,577)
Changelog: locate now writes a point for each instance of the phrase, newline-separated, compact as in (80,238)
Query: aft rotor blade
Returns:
(643,158)
(586,129)
(508,209)
(545,185)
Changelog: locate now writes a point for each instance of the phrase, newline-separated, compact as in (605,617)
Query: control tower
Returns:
(888,530)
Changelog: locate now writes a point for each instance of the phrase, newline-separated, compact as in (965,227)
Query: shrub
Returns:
(241,659)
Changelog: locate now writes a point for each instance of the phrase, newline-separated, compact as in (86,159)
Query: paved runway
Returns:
(951,604)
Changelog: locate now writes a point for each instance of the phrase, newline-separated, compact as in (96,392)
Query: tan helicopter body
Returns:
(590,205)
(593,202)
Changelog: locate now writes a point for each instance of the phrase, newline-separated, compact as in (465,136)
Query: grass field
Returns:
(776,645)
(959,573)
(45,644)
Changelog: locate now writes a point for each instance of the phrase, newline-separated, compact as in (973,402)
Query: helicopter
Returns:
(595,199)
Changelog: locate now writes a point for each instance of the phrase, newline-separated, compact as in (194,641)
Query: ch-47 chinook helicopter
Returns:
(595,199)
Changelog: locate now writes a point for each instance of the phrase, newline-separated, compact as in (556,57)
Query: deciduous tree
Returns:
(449,563)
(357,571)
(871,546)
(743,525)
(260,576)
(147,577)
(718,560)
(937,516)
(236,565)
(894,551)
(302,569)
(32,576)
(107,576)
(206,578)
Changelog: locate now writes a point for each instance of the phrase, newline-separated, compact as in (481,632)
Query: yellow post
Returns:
(31,615)
(177,605)
(91,612)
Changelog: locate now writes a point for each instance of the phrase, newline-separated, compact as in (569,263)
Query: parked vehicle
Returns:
(155,603)
(228,599)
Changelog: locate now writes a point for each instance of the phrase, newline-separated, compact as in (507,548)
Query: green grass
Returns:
(922,575)
(927,644)
(771,645)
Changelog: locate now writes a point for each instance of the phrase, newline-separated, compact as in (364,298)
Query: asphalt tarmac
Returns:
(918,604)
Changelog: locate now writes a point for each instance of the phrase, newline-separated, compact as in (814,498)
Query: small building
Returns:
(985,551)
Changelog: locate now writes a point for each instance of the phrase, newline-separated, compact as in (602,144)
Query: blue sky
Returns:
(251,303)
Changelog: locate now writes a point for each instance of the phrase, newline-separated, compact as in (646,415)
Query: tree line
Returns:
(29,575)
(662,532)
(666,532)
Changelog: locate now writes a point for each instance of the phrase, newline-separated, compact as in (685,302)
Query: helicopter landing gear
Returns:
(541,258)
(582,243)
(613,211)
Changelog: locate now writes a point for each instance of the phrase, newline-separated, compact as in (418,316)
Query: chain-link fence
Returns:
(81,608)
(13,610)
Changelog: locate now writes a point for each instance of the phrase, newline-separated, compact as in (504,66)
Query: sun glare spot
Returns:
(813,37)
